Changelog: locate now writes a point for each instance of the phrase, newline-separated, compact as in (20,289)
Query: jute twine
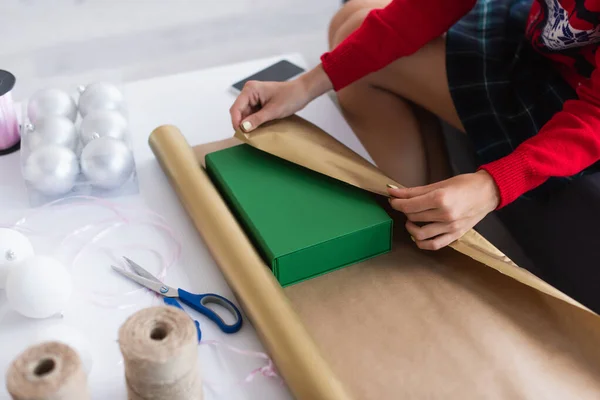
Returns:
(48,371)
(160,349)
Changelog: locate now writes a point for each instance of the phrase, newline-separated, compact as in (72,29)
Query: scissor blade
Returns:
(141,271)
(157,287)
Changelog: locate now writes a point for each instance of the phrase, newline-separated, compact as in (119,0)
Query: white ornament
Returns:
(51,169)
(101,96)
(14,248)
(101,123)
(107,162)
(53,130)
(39,288)
(48,102)
(70,336)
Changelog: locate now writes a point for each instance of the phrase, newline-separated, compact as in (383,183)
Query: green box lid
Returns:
(303,223)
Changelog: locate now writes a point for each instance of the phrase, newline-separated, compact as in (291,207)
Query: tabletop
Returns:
(197,103)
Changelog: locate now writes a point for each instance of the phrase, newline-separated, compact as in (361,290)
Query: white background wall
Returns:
(68,42)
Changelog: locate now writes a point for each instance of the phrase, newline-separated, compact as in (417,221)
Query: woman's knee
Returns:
(349,17)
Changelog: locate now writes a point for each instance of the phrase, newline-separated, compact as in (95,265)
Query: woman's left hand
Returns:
(446,210)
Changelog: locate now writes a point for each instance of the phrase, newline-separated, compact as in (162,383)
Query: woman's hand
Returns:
(441,213)
(260,102)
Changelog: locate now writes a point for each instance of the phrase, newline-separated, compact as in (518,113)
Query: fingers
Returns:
(435,215)
(246,103)
(419,203)
(241,108)
(436,205)
(437,235)
(439,242)
(429,231)
(255,120)
(448,208)
(236,117)
(407,193)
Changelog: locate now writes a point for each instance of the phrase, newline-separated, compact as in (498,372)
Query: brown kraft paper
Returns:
(409,324)
(301,142)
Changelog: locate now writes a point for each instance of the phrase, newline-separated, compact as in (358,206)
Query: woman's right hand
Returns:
(260,102)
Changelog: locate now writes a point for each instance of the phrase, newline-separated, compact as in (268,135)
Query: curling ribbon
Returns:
(9,126)
(102,229)
(268,370)
(107,226)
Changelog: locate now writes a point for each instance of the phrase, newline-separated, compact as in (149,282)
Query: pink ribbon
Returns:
(9,126)
(268,371)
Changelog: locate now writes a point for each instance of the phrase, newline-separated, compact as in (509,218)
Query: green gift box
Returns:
(303,223)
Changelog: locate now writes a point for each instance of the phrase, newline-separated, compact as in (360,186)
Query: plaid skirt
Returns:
(503,90)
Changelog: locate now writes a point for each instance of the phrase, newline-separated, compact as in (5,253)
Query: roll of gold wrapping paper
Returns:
(296,355)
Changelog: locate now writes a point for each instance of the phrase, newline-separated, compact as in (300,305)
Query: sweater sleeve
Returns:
(399,29)
(564,146)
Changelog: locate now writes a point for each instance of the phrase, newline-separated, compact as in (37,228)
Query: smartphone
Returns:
(278,72)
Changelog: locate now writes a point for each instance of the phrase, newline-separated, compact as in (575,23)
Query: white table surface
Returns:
(197,103)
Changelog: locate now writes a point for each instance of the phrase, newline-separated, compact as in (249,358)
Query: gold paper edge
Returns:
(332,158)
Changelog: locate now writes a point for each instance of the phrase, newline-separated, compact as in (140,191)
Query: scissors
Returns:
(196,301)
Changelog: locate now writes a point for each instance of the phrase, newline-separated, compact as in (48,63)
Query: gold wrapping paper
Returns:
(418,325)
(297,357)
(406,325)
(301,142)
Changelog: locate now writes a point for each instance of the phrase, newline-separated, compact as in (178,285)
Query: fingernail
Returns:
(392,186)
(246,126)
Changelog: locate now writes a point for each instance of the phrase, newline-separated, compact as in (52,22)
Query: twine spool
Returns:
(48,371)
(160,349)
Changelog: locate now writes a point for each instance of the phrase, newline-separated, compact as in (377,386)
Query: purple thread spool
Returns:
(10,138)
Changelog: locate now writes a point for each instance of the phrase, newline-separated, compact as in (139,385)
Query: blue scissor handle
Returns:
(198,302)
(173,302)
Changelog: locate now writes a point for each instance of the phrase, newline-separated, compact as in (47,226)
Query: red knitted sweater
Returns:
(566,31)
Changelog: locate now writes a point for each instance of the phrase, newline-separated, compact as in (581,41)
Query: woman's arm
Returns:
(566,145)
(398,30)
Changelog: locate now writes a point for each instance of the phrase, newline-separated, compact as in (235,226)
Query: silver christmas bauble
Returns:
(107,162)
(49,102)
(14,248)
(101,123)
(53,130)
(51,169)
(101,96)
